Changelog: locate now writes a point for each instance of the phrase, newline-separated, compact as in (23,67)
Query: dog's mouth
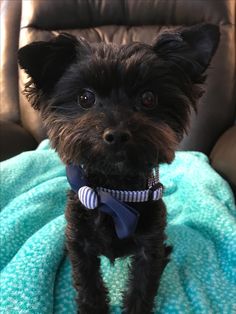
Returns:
(127,161)
(119,170)
(118,175)
(120,159)
(120,162)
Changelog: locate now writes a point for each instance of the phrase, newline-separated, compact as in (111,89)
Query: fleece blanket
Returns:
(36,273)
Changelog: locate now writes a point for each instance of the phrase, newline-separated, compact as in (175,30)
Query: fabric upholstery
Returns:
(15,135)
(223,156)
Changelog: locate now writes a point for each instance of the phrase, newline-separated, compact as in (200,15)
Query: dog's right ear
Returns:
(190,49)
(45,62)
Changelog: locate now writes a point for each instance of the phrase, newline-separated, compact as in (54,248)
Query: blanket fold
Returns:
(36,273)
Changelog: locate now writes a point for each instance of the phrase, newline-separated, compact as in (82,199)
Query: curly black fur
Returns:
(172,68)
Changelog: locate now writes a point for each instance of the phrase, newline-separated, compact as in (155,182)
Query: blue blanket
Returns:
(36,273)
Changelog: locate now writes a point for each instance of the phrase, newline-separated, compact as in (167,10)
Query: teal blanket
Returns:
(36,273)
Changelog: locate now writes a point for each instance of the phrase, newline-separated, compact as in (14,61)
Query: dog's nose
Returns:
(111,136)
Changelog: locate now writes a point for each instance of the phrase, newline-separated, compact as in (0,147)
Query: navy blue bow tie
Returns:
(125,217)
(113,202)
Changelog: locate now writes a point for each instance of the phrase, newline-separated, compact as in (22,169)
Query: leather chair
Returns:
(23,21)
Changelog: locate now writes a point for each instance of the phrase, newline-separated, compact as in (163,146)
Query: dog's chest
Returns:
(112,247)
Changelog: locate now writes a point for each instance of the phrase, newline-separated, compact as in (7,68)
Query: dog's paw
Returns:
(88,309)
(136,309)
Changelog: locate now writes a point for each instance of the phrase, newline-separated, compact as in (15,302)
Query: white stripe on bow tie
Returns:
(89,196)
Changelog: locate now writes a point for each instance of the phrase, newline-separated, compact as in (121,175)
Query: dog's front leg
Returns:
(82,251)
(144,278)
(92,294)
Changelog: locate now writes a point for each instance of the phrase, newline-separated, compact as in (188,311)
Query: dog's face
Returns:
(118,109)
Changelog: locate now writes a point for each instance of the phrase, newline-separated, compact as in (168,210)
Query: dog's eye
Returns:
(86,99)
(148,100)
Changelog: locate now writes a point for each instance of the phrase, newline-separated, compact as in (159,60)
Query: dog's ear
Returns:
(191,48)
(45,62)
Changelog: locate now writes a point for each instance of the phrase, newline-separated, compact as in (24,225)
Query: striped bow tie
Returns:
(111,201)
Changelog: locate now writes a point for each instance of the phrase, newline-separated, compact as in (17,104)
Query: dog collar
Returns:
(111,201)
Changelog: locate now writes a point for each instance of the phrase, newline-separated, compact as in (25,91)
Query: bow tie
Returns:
(111,201)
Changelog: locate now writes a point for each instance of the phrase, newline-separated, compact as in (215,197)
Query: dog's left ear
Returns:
(45,62)
(191,48)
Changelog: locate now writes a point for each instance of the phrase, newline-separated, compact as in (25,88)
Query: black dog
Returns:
(113,114)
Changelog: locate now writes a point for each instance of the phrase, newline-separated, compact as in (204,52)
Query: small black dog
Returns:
(113,114)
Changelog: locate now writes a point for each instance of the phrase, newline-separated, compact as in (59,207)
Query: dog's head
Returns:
(118,109)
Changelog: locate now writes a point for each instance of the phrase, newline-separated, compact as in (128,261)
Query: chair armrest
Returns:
(14,139)
(223,156)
